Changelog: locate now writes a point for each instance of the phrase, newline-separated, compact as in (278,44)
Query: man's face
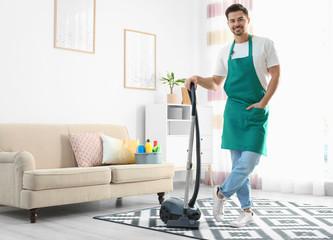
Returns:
(238,22)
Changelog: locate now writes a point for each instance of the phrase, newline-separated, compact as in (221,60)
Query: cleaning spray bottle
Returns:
(149,146)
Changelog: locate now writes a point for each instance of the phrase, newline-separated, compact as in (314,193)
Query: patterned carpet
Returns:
(274,220)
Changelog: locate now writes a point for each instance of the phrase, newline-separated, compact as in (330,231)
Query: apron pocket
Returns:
(257,115)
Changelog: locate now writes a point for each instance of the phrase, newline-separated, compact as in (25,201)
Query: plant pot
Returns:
(172,98)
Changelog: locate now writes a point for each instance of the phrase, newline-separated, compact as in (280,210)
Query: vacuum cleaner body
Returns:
(173,209)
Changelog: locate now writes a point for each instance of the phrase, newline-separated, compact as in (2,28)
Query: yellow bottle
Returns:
(149,146)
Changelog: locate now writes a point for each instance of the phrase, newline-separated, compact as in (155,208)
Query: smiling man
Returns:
(249,69)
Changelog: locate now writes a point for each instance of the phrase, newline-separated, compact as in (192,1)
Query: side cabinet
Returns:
(169,124)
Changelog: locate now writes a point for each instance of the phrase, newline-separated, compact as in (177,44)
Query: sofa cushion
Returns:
(141,172)
(87,148)
(41,179)
(115,131)
(48,143)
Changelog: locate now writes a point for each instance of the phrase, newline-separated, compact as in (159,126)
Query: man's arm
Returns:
(211,83)
(272,86)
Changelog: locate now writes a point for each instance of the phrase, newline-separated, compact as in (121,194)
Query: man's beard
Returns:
(239,33)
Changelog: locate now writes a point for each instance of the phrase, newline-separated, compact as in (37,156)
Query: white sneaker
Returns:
(243,220)
(218,206)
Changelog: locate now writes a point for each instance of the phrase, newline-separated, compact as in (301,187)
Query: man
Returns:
(245,65)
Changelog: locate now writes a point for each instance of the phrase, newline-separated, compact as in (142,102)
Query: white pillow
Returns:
(116,151)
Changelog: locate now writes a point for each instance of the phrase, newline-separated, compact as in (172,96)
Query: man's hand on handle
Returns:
(188,81)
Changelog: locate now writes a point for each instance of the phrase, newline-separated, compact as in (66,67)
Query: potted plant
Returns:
(172,82)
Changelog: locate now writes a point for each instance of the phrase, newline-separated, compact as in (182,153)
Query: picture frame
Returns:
(74,25)
(139,60)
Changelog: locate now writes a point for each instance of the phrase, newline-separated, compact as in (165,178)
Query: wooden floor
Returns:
(76,221)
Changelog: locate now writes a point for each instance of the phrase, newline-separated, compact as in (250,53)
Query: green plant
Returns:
(170,80)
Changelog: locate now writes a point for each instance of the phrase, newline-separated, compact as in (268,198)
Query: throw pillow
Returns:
(116,151)
(87,148)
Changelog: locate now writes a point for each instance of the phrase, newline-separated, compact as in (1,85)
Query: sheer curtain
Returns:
(295,139)
(302,33)
(218,33)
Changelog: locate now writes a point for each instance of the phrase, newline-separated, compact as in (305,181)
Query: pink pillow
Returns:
(87,148)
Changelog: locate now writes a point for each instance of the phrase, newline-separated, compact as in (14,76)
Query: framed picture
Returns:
(75,25)
(140,60)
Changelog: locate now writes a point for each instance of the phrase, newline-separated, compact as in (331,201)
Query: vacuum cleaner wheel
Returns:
(165,214)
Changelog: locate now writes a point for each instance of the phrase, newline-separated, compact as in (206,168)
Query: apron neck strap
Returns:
(231,49)
(250,47)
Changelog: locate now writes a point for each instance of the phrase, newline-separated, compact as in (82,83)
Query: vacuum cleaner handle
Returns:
(198,149)
(193,99)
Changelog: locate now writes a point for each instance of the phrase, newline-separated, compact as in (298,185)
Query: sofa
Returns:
(38,169)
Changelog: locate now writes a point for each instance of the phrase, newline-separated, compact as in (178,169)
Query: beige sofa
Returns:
(38,169)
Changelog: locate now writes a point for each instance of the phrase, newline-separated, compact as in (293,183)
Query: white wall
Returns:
(41,84)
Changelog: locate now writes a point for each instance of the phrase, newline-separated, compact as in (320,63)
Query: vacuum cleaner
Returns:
(175,212)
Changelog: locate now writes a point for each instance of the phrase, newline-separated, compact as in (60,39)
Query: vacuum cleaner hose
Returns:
(198,150)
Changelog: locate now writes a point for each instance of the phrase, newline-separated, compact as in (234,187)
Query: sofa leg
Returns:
(161,197)
(33,215)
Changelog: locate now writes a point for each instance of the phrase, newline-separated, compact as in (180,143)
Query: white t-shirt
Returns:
(264,57)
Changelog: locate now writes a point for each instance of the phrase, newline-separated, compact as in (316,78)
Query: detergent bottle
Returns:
(149,146)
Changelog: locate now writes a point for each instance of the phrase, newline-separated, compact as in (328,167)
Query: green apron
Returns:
(244,130)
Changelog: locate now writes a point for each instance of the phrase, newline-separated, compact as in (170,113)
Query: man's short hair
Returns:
(236,7)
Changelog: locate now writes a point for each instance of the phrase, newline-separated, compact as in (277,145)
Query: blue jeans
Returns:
(238,181)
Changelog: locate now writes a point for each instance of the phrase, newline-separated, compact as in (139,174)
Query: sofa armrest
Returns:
(12,167)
